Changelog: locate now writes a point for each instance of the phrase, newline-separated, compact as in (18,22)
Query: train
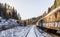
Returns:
(51,25)
(54,25)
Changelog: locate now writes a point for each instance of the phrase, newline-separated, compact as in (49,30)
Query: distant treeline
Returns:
(6,11)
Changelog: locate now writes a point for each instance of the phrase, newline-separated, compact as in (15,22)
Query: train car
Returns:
(52,25)
(55,25)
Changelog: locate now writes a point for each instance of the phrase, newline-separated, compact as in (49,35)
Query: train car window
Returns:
(0,20)
(55,15)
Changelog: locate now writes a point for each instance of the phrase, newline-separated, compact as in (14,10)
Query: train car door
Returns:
(41,23)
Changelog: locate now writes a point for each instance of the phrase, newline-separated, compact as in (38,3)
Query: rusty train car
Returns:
(51,25)
(55,24)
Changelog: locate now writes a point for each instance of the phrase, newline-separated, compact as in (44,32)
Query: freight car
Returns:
(55,25)
(52,25)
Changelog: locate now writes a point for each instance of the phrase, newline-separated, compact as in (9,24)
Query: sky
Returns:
(29,8)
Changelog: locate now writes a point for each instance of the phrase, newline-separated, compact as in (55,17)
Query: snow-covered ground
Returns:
(15,32)
(31,33)
(5,24)
(21,31)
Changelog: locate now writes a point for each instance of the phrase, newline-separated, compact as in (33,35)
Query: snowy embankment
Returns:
(6,24)
(19,31)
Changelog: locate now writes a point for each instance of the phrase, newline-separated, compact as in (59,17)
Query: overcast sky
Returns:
(29,8)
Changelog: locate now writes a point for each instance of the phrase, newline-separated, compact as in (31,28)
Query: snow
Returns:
(31,33)
(15,32)
(19,31)
(41,33)
(5,24)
